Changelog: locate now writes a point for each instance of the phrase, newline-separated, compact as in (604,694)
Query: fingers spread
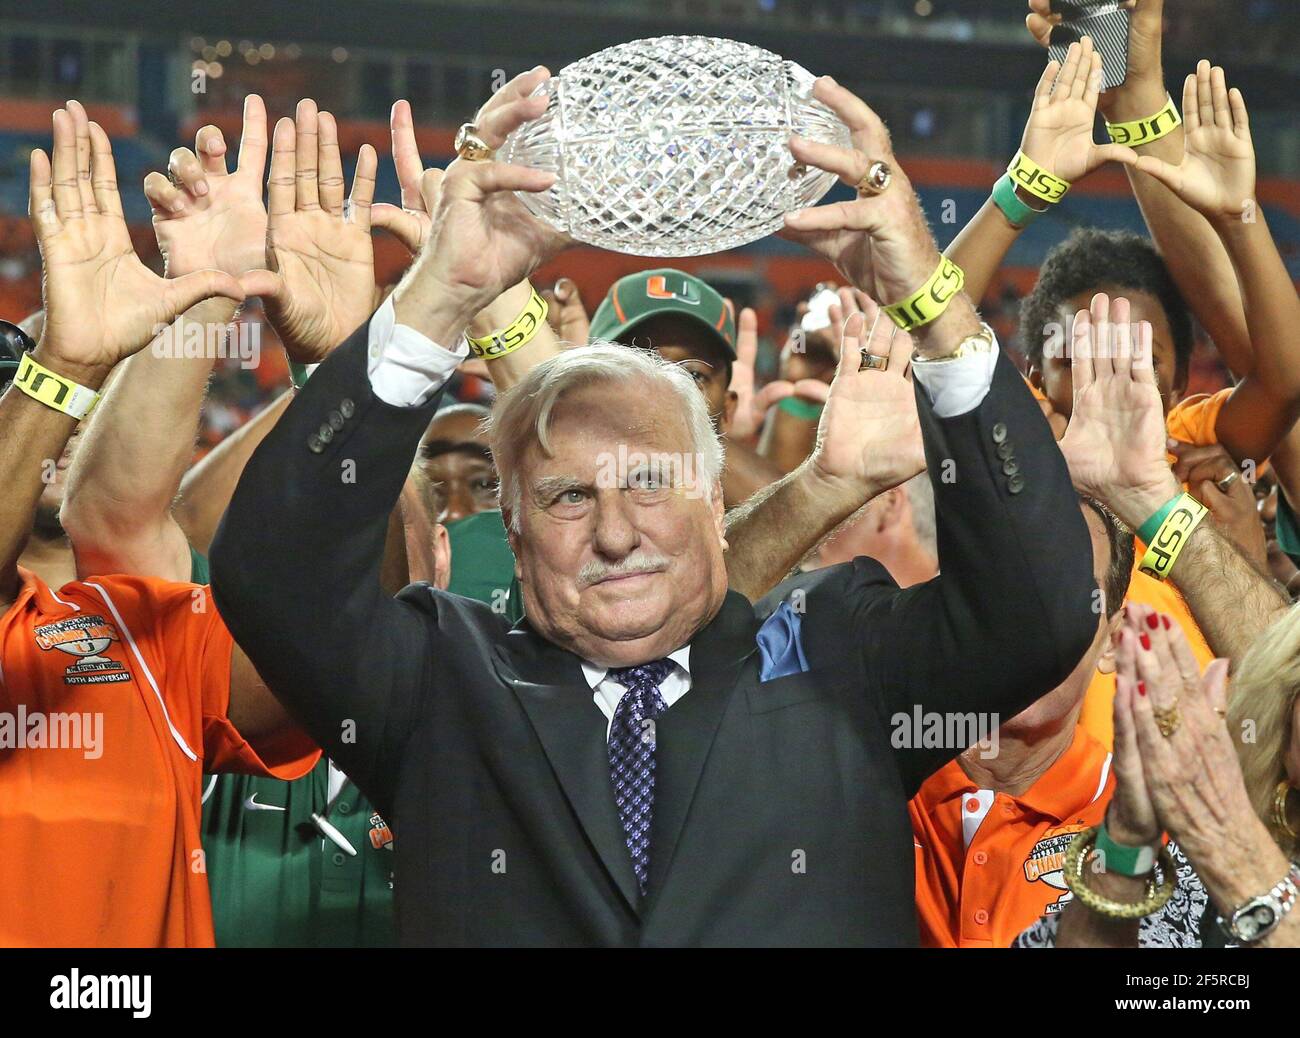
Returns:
(406,153)
(363,187)
(252,144)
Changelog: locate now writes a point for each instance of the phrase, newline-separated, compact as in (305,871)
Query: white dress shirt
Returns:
(607,692)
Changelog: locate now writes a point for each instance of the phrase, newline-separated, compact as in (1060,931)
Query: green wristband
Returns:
(1125,861)
(805,409)
(1018,214)
(1152,526)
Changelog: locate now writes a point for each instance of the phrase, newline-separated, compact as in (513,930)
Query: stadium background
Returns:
(952,78)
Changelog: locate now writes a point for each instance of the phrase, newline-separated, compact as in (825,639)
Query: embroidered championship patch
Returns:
(85,638)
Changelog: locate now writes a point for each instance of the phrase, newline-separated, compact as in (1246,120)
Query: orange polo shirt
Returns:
(1193,421)
(113,700)
(988,864)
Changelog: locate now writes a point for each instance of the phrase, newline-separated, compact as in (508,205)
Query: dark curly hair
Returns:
(1090,259)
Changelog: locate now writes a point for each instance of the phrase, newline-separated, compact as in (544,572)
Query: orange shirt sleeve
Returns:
(1196,419)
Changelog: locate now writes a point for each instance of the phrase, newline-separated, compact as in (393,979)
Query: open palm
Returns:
(870,431)
(320,257)
(1217,174)
(1058,135)
(101,302)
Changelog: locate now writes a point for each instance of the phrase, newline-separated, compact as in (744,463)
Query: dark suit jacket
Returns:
(780,815)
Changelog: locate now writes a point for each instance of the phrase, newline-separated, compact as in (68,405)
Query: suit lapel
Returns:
(549,684)
(685,734)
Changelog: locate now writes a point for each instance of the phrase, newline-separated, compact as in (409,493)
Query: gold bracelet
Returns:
(929,301)
(62,394)
(518,333)
(1156,896)
(1149,130)
(1172,536)
(1036,180)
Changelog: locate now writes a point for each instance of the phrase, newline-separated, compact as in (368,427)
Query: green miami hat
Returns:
(651,293)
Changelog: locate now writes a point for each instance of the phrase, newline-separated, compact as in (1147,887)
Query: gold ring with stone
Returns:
(470,146)
(878,177)
(873,361)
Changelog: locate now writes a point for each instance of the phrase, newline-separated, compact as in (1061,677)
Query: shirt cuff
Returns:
(406,368)
(958,386)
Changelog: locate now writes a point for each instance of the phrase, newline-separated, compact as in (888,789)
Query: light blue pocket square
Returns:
(780,645)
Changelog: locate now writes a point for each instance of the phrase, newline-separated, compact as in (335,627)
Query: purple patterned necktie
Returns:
(632,756)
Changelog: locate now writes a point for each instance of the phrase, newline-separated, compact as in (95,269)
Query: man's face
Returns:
(614,567)
(686,342)
(459,466)
(1061,705)
(1055,380)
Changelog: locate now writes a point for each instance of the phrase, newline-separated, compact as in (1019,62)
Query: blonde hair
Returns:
(1262,702)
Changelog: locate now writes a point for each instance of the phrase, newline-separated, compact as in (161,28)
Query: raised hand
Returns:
(1217,174)
(482,240)
(1058,135)
(101,303)
(409,223)
(320,282)
(212,218)
(869,432)
(751,405)
(1115,442)
(1144,42)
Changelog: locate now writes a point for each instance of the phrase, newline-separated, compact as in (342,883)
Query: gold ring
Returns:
(1227,480)
(1167,718)
(878,177)
(873,361)
(470,146)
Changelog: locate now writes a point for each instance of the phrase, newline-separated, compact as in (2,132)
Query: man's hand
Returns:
(101,302)
(869,434)
(409,223)
(1213,477)
(482,240)
(751,405)
(1058,135)
(1115,442)
(320,285)
(212,218)
(1217,174)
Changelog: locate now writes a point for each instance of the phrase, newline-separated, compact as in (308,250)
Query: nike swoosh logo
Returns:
(251,804)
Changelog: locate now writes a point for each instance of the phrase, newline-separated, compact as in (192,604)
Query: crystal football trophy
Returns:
(675,146)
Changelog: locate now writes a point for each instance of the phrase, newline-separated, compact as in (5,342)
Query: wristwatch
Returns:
(982,341)
(1260,916)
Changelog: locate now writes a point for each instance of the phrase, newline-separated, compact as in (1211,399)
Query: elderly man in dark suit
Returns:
(645,759)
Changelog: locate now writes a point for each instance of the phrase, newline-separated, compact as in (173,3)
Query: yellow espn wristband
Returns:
(518,333)
(1036,180)
(1145,131)
(1171,538)
(40,383)
(930,300)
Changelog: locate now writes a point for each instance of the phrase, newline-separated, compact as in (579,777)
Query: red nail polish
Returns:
(1166,622)
(1142,688)
(1153,621)
(1146,642)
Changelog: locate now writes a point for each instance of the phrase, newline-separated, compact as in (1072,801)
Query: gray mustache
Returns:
(593,572)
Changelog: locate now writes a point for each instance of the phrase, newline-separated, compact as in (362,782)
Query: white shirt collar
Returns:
(595,673)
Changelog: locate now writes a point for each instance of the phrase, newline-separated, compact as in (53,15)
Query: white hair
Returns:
(522,414)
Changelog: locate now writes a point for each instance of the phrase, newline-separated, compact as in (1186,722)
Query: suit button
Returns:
(981,917)
(980,857)
(1005,450)
(1010,467)
(336,420)
(325,433)
(999,432)
(1016,483)
(344,807)
(347,408)
(314,444)
(338,858)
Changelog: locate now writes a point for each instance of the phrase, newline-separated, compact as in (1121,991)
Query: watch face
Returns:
(1255,922)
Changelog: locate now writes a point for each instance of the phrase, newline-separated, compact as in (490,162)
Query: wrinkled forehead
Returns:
(592,423)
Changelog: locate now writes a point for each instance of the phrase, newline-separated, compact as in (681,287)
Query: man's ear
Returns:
(729,410)
(1106,661)
(513,537)
(719,513)
(441,557)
